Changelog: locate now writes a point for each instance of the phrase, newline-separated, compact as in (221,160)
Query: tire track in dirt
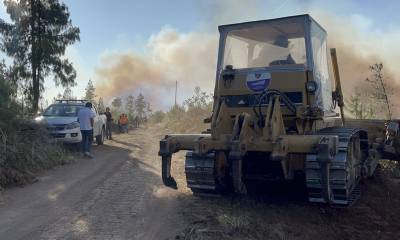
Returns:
(116,195)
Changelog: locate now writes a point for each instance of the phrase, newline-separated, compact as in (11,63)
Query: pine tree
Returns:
(200,99)
(358,107)
(140,107)
(90,92)
(68,93)
(117,102)
(130,107)
(100,105)
(36,41)
(58,97)
(148,109)
(116,107)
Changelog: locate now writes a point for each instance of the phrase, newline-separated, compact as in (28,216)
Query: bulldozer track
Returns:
(200,175)
(344,174)
(344,170)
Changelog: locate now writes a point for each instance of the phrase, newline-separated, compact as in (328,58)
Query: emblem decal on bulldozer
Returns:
(258,81)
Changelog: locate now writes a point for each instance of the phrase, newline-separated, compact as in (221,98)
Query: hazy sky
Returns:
(126,26)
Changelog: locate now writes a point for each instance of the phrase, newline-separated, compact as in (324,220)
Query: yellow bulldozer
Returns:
(274,118)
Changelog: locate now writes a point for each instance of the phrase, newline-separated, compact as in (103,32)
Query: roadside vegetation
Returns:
(187,117)
(31,55)
(25,147)
(374,100)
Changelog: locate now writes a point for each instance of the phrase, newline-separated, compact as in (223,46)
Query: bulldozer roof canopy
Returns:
(301,19)
(293,27)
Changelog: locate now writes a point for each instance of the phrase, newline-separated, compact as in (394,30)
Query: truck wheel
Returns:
(100,138)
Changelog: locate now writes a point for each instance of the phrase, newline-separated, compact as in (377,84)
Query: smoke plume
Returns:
(170,56)
(357,50)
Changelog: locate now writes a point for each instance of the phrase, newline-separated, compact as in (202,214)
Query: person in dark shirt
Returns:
(109,124)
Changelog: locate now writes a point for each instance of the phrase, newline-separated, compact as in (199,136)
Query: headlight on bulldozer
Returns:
(311,86)
(72,125)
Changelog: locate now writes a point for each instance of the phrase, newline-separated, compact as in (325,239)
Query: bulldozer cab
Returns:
(285,54)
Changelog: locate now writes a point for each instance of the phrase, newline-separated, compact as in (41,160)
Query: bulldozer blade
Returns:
(170,182)
(167,179)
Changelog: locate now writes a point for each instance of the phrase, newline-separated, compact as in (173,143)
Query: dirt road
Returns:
(116,195)
(119,195)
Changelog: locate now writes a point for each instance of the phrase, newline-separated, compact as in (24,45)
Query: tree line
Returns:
(136,108)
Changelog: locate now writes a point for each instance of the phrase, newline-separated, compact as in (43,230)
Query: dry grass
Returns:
(188,117)
(374,216)
(182,120)
(235,223)
(25,151)
(391,168)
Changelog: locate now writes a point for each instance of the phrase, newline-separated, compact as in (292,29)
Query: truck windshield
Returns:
(62,110)
(275,43)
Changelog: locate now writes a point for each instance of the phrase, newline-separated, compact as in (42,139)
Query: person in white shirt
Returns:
(86,121)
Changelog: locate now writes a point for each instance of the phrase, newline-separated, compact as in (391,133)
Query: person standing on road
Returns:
(86,121)
(109,124)
(123,121)
(136,122)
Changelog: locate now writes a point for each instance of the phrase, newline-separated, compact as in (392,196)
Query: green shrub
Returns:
(26,151)
(392,168)
(25,147)
(157,117)
(188,118)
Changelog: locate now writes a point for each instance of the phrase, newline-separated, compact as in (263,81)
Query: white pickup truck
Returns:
(61,120)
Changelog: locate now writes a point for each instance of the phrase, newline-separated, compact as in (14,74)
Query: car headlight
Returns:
(39,119)
(311,86)
(72,125)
